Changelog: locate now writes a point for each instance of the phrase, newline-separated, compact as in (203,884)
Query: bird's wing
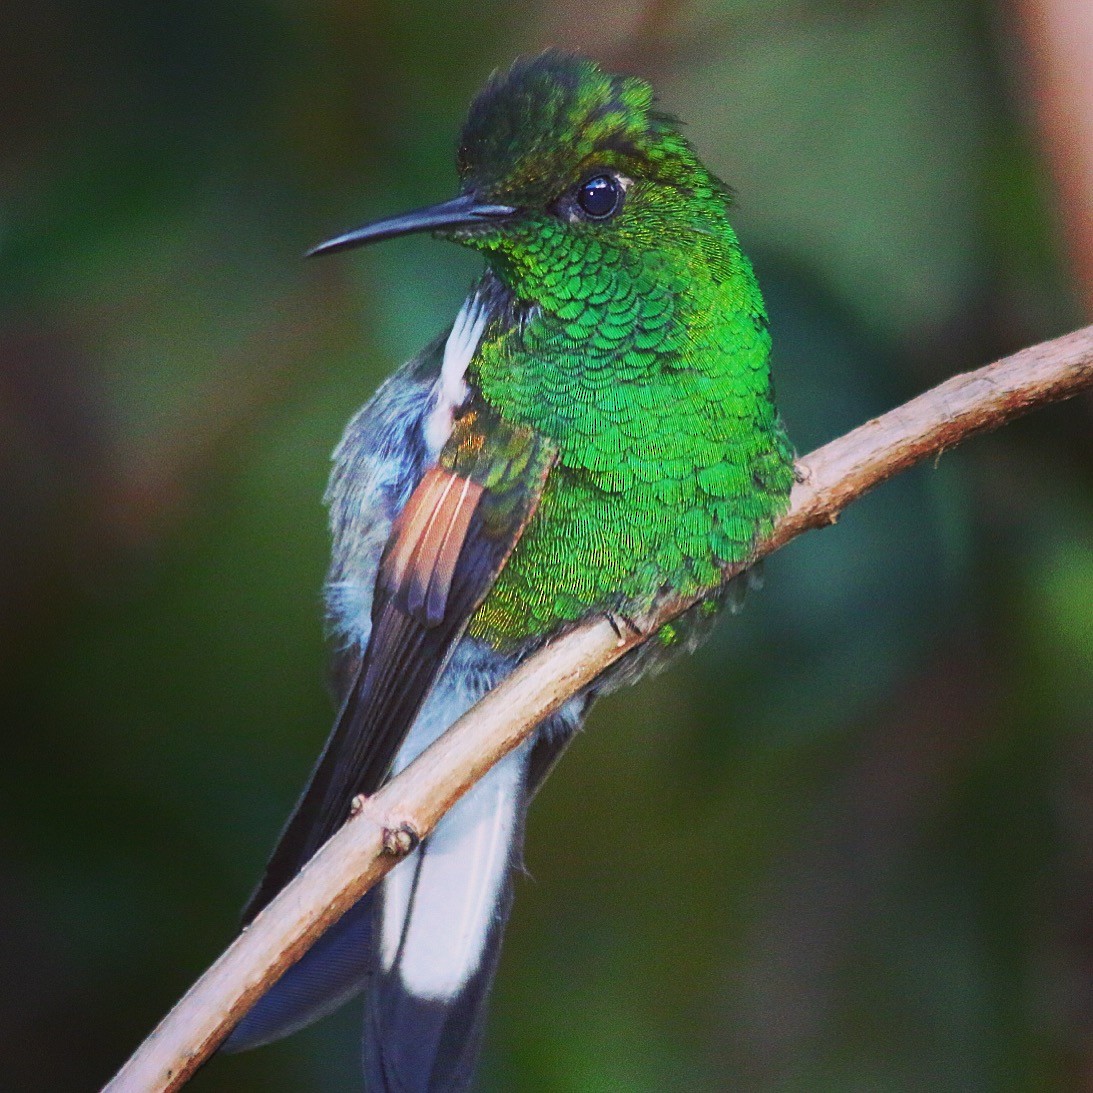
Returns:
(445,550)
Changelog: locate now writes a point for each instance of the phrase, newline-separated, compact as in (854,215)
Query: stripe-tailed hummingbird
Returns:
(596,429)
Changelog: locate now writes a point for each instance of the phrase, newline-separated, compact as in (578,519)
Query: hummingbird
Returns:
(596,430)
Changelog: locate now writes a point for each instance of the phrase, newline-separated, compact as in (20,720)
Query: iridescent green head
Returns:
(559,160)
(535,133)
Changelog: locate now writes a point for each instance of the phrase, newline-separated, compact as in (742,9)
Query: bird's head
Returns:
(563,165)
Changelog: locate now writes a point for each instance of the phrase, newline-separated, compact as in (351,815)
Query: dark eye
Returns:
(600,197)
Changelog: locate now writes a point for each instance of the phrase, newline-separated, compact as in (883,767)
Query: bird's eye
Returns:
(600,197)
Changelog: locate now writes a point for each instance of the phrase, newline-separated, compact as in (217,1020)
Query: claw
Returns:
(617,621)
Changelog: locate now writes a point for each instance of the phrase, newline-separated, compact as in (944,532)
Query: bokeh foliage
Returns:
(849,846)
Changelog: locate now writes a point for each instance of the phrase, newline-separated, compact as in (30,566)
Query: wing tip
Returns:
(335,969)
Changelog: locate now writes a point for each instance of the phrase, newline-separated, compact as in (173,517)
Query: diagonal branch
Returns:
(383,828)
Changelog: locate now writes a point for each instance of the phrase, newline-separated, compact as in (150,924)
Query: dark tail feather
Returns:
(331,972)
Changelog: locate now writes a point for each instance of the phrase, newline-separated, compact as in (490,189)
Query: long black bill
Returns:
(462,211)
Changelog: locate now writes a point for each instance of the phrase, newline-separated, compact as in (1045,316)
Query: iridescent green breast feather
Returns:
(642,350)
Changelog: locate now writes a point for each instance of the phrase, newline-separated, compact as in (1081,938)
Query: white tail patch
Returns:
(451,388)
(438,908)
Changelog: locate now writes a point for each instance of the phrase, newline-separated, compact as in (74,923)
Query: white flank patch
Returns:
(460,879)
(451,387)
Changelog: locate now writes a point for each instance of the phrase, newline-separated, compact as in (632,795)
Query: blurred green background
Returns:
(847,847)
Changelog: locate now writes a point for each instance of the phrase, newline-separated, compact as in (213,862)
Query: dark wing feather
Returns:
(447,546)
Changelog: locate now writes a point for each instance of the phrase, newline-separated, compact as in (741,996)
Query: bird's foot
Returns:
(621,623)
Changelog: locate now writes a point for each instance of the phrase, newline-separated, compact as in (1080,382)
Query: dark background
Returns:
(850,845)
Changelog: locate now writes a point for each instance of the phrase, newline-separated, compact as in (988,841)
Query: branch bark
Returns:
(382,828)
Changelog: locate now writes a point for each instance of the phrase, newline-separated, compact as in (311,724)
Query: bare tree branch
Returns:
(383,828)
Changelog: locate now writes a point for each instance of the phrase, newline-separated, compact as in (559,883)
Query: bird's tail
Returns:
(424,945)
(438,937)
